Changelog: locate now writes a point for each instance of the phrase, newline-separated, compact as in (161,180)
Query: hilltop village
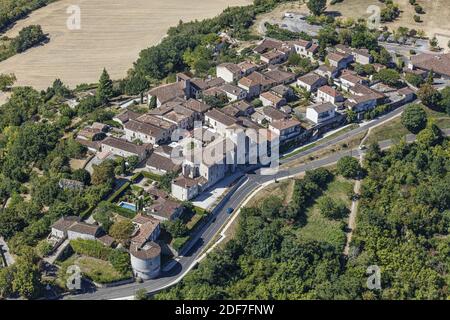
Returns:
(146,173)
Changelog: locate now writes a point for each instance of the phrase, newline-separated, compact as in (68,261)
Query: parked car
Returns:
(230,210)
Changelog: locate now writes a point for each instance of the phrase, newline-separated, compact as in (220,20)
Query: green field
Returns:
(97,270)
(323,229)
(394,129)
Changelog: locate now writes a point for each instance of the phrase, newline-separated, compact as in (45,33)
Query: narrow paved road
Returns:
(207,233)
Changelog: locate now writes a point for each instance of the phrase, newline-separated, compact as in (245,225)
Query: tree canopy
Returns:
(414,118)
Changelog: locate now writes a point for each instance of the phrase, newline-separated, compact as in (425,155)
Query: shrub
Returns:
(120,261)
(28,37)
(414,118)
(418,8)
(332,209)
(91,248)
(414,79)
(44,248)
(349,167)
(178,243)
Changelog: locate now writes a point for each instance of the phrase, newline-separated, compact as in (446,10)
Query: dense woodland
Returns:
(13,10)
(402,227)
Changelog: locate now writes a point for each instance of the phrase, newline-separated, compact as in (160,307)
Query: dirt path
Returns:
(352,218)
(112,34)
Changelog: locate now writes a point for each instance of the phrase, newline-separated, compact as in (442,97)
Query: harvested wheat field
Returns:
(112,34)
(435,21)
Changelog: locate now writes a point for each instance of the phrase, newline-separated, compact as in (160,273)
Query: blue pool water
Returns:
(128,206)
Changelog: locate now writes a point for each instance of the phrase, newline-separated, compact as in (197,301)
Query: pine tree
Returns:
(105,87)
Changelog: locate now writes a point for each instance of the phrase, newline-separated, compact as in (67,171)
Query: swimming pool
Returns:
(128,206)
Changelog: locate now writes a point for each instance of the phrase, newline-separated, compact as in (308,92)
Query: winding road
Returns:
(251,182)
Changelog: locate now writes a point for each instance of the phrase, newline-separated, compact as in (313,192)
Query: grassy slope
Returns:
(323,229)
(394,129)
(317,227)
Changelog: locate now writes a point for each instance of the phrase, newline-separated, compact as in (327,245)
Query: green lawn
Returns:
(394,129)
(97,270)
(323,229)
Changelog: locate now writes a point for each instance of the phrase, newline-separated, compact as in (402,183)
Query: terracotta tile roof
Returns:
(214,91)
(168,92)
(322,107)
(232,67)
(285,124)
(334,56)
(313,48)
(273,54)
(127,115)
(85,228)
(155,121)
(351,78)
(106,240)
(90,144)
(242,105)
(65,223)
(185,182)
(310,78)
(254,79)
(197,106)
(140,219)
(301,43)
(329,91)
(162,163)
(142,127)
(220,117)
(343,48)
(89,132)
(149,251)
(268,44)
(231,89)
(144,231)
(247,65)
(231,110)
(126,145)
(163,150)
(280,76)
(214,82)
(271,97)
(274,114)
(281,90)
(439,63)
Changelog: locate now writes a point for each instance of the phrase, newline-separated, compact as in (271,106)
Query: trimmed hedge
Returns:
(91,248)
(152,176)
(121,190)
(136,177)
(195,221)
(201,211)
(87,212)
